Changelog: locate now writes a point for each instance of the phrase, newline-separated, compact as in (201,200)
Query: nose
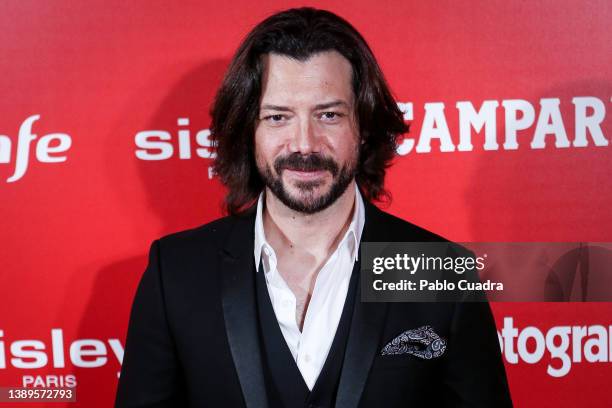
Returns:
(305,140)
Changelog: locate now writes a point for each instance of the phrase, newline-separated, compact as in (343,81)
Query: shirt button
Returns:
(266,251)
(307,358)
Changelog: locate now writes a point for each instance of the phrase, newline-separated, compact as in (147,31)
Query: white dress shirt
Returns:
(311,346)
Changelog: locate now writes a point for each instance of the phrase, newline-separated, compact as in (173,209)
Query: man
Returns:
(262,308)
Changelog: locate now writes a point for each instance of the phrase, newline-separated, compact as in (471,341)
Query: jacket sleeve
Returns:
(150,372)
(475,374)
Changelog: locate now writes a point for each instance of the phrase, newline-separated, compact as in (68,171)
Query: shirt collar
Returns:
(353,233)
(260,236)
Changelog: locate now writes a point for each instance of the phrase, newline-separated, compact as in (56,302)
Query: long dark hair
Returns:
(300,33)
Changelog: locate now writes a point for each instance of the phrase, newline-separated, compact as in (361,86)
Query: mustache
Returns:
(311,162)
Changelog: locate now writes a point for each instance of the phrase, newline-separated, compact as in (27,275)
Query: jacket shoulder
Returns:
(209,236)
(400,230)
(389,227)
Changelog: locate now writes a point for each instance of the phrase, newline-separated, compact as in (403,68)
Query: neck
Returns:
(315,233)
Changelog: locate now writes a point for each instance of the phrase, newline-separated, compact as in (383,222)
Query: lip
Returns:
(306,175)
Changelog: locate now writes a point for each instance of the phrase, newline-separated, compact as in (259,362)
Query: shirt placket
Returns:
(283,302)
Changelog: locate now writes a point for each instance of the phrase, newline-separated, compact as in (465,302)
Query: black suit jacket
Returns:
(192,339)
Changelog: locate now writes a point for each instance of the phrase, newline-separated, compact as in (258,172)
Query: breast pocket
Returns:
(406,362)
(403,378)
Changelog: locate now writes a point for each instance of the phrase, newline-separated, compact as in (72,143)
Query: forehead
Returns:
(323,76)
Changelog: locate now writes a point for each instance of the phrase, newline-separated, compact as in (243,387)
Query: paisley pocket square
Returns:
(422,342)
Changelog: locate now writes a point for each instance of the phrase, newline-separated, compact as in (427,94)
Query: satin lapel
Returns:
(239,310)
(366,328)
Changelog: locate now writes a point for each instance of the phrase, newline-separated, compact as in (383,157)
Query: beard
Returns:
(308,201)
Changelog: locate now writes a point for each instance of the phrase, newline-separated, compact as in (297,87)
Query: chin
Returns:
(308,194)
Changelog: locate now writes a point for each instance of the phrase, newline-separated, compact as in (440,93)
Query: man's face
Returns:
(307,138)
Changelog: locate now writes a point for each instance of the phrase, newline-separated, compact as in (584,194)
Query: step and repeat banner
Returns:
(104,147)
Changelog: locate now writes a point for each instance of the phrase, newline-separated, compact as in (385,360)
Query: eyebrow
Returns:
(331,105)
(317,107)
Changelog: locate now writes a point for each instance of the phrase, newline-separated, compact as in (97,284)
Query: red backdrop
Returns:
(80,201)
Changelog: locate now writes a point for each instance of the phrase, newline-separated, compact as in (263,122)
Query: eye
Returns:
(276,118)
(330,116)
